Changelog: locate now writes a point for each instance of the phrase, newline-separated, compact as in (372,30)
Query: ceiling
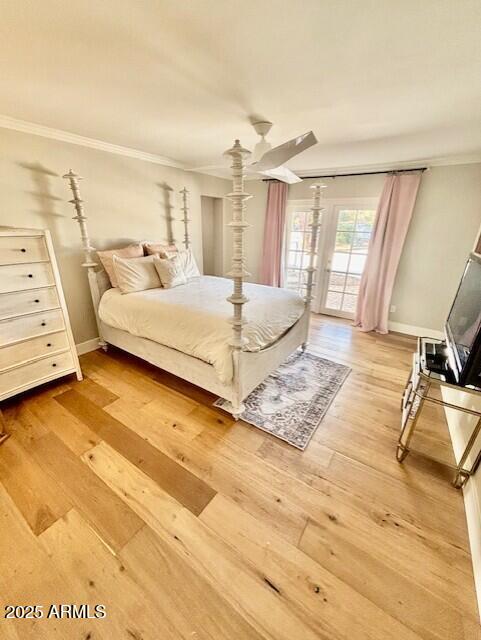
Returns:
(379,81)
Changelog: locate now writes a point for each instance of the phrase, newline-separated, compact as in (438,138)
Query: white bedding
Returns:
(193,318)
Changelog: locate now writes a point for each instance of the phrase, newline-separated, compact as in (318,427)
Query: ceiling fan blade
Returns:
(283,174)
(284,152)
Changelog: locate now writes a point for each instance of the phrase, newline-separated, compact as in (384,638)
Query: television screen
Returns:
(465,315)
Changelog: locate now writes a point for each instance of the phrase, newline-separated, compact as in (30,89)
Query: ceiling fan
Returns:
(270,162)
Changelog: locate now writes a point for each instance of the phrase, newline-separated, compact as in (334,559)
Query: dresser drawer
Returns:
(30,349)
(18,277)
(18,249)
(21,302)
(26,327)
(39,371)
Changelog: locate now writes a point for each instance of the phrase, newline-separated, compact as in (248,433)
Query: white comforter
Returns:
(193,318)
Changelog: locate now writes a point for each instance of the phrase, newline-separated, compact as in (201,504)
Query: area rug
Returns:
(292,401)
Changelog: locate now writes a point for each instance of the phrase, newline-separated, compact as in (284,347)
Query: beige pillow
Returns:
(106,258)
(136,274)
(170,270)
(189,265)
(158,248)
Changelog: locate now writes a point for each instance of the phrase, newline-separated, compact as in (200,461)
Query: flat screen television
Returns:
(463,327)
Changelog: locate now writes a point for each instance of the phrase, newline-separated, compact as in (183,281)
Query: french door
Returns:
(345,231)
(345,244)
(297,245)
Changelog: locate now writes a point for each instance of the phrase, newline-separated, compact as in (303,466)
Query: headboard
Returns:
(98,279)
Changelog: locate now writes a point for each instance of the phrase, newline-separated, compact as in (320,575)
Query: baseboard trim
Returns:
(413,330)
(88,345)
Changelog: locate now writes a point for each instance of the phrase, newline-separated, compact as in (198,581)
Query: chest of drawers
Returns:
(36,342)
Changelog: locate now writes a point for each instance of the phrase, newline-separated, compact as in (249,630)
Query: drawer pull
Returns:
(49,344)
(37,300)
(43,324)
(23,250)
(30,275)
(54,364)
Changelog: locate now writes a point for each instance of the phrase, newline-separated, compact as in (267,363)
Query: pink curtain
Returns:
(271,265)
(393,216)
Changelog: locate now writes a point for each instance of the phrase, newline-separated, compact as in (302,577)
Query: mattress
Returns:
(193,318)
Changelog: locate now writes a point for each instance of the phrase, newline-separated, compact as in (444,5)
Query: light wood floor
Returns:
(129,490)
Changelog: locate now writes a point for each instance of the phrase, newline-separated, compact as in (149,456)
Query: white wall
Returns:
(445,222)
(212,210)
(219,225)
(125,199)
(442,233)
(208,237)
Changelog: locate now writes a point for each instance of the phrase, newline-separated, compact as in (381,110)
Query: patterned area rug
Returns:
(292,401)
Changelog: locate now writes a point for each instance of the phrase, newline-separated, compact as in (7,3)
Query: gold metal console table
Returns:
(416,392)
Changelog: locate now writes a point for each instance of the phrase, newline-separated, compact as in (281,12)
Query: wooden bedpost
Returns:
(315,224)
(185,217)
(238,271)
(89,263)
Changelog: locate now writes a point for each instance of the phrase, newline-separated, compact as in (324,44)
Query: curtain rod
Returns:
(347,175)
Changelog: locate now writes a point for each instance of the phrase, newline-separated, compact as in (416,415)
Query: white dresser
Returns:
(36,342)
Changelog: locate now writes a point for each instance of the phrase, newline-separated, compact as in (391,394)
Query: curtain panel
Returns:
(391,225)
(275,222)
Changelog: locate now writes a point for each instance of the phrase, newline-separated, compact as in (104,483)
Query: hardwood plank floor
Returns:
(129,489)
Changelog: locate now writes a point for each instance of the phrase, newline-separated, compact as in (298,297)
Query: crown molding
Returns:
(6,122)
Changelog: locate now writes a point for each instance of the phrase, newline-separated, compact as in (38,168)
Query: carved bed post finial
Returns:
(89,263)
(185,219)
(316,223)
(238,272)
(81,218)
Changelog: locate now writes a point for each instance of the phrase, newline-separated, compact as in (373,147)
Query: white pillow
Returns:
(106,258)
(136,274)
(160,248)
(170,270)
(189,265)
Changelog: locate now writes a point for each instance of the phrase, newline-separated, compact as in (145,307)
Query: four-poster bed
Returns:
(255,348)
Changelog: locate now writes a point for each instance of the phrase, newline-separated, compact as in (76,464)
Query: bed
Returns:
(199,331)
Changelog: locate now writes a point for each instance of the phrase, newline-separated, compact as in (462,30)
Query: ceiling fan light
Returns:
(260,149)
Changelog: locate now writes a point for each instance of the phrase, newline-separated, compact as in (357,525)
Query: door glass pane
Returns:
(337,281)
(357,263)
(334,300)
(360,242)
(307,242)
(294,259)
(348,259)
(298,246)
(296,241)
(365,220)
(298,221)
(292,279)
(340,262)
(352,283)
(344,240)
(349,303)
(346,218)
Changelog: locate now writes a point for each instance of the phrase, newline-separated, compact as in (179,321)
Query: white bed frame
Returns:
(249,368)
